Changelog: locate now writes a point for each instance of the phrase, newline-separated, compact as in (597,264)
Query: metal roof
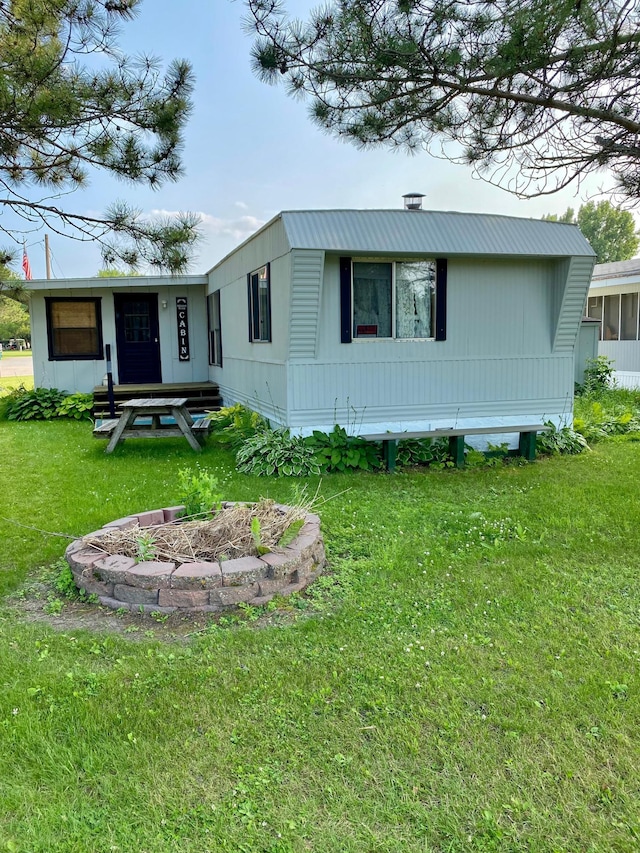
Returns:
(616,269)
(135,281)
(431,232)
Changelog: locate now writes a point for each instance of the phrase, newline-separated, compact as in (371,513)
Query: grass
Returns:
(8,383)
(465,678)
(14,353)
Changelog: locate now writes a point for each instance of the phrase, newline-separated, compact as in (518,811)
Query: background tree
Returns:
(14,311)
(14,319)
(533,93)
(610,230)
(111,272)
(70,101)
(568,216)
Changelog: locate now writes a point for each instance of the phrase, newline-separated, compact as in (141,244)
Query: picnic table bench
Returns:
(153,410)
(456,436)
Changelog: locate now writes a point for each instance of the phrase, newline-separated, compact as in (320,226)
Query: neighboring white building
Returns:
(373,319)
(613,301)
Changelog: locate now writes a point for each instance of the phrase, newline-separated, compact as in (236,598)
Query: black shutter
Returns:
(269,299)
(216,297)
(441,299)
(345,300)
(249,308)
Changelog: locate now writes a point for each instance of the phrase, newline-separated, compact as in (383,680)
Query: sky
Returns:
(251,151)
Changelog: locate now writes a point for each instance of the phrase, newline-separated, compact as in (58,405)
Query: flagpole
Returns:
(47,256)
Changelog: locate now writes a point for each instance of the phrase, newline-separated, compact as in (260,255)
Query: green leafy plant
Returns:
(494,456)
(53,606)
(64,582)
(277,453)
(145,547)
(76,406)
(39,404)
(339,451)
(560,440)
(159,617)
(597,422)
(290,533)
(257,537)
(424,451)
(233,425)
(598,375)
(199,492)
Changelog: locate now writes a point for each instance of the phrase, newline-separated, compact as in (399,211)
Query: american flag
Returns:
(26,266)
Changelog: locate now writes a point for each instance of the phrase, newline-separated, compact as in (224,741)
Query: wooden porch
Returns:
(201,396)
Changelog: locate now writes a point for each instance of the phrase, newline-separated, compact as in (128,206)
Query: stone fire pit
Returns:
(166,587)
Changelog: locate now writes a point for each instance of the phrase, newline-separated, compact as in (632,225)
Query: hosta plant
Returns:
(339,451)
(233,425)
(76,406)
(560,440)
(38,404)
(277,453)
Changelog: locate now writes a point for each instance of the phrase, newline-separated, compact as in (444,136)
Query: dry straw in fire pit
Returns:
(231,533)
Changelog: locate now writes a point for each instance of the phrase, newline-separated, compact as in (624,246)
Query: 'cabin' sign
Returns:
(183,328)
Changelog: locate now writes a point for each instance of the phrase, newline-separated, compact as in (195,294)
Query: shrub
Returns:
(338,451)
(598,375)
(40,404)
(276,452)
(233,425)
(563,440)
(77,406)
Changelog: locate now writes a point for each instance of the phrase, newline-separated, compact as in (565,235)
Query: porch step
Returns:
(201,396)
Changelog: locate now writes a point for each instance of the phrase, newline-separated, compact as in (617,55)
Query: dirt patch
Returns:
(39,602)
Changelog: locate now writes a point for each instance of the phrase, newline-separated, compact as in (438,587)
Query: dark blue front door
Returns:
(137,338)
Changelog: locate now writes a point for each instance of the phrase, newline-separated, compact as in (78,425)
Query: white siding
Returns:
(260,385)
(84,375)
(496,362)
(447,390)
(306,290)
(624,354)
(254,373)
(572,306)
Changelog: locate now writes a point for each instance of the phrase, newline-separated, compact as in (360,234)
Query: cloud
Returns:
(239,228)
(241,205)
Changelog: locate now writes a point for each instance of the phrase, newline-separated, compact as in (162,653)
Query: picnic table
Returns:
(177,422)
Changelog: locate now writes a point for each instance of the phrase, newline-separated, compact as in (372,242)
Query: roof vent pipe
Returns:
(413,201)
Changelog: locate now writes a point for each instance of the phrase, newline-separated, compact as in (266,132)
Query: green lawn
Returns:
(8,383)
(465,679)
(15,353)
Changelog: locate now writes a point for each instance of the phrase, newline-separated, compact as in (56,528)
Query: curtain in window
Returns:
(74,328)
(371,300)
(415,299)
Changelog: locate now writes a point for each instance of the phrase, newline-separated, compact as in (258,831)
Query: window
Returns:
(594,310)
(74,328)
(215,329)
(137,322)
(394,299)
(629,317)
(259,287)
(611,322)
